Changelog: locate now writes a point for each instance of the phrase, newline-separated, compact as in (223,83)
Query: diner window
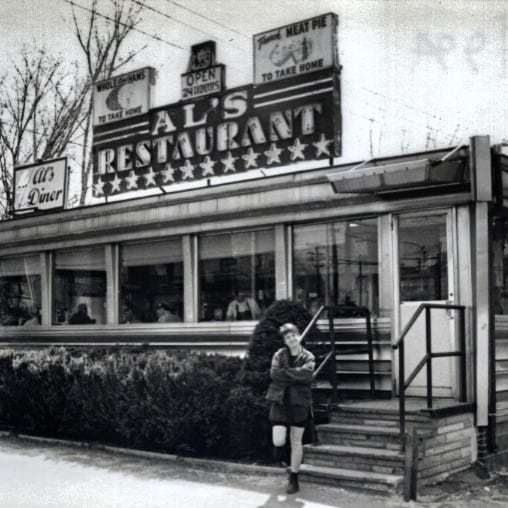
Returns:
(79,286)
(500,266)
(423,258)
(336,263)
(151,282)
(20,291)
(236,275)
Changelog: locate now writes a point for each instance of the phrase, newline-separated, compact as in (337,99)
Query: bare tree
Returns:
(46,103)
(102,39)
(41,108)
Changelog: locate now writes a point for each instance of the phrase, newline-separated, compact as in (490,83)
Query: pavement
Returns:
(37,474)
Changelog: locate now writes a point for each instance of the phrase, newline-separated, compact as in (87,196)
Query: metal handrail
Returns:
(361,312)
(309,326)
(313,321)
(331,353)
(322,364)
(427,359)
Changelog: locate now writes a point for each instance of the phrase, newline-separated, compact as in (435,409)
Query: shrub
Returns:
(179,402)
(154,400)
(249,428)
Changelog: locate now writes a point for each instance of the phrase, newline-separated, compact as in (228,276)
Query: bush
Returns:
(153,400)
(249,428)
(179,402)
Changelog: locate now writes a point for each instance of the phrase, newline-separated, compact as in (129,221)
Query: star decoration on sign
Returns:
(207,166)
(229,163)
(99,187)
(132,180)
(322,146)
(250,158)
(273,154)
(168,173)
(115,184)
(187,170)
(297,150)
(150,177)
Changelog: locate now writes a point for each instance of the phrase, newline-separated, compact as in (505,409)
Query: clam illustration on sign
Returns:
(123,96)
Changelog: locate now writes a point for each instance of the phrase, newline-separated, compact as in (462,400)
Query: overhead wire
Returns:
(407,106)
(207,18)
(33,131)
(155,37)
(175,19)
(105,16)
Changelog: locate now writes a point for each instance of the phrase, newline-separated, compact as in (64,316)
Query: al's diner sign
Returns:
(40,187)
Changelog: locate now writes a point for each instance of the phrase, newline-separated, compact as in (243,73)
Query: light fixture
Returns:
(392,177)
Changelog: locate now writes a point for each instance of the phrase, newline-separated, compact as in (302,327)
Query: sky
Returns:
(416,75)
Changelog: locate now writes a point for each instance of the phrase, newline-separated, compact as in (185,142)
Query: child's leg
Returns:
(296,436)
(279,435)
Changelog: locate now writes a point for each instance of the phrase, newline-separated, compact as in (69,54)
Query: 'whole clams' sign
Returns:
(122,96)
(40,187)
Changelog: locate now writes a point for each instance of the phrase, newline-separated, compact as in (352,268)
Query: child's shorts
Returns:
(294,416)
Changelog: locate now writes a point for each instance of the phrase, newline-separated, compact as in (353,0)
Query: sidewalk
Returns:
(40,475)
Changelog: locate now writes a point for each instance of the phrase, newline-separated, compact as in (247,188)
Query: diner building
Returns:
(387,235)
(269,213)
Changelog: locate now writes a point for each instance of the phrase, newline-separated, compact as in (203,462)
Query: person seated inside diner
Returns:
(242,307)
(81,317)
(218,314)
(165,314)
(128,315)
(34,318)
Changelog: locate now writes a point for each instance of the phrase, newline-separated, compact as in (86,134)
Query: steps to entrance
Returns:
(356,450)
(368,436)
(374,482)
(360,458)
(361,447)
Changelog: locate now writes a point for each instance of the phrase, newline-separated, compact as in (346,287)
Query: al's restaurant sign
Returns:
(40,187)
(215,132)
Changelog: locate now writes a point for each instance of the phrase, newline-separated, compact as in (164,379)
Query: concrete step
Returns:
(376,460)
(351,381)
(365,436)
(379,483)
(358,415)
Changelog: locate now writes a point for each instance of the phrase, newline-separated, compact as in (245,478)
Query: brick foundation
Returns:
(450,445)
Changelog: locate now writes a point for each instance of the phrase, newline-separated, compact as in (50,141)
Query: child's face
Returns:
(291,339)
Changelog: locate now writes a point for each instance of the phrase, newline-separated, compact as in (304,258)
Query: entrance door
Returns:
(425,275)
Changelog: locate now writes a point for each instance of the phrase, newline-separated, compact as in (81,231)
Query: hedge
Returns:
(179,402)
(170,402)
